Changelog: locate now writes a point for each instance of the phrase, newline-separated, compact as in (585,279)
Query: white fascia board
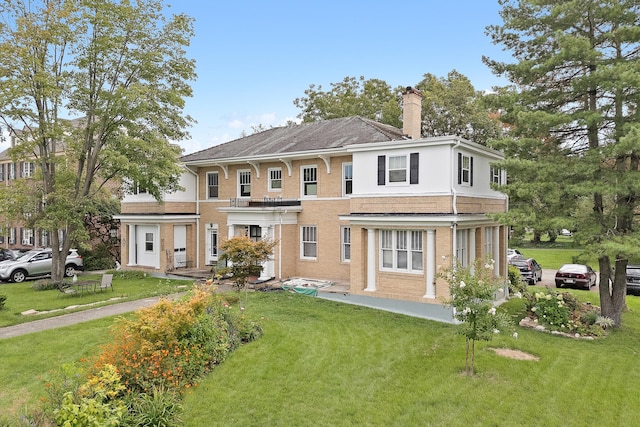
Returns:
(299,155)
(422,221)
(158,218)
(427,142)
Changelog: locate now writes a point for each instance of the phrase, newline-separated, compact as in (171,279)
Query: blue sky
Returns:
(254,57)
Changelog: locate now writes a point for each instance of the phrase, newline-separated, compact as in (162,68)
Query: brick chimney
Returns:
(412,113)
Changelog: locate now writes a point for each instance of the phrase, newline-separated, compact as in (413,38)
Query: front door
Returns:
(179,246)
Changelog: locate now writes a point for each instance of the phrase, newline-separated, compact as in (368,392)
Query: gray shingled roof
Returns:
(323,135)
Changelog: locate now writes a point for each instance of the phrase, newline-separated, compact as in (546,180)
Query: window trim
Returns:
(304,182)
(244,173)
(147,242)
(407,241)
(347,179)
(411,168)
(271,179)
(345,243)
(403,168)
(210,186)
(313,242)
(495,175)
(462,180)
(462,247)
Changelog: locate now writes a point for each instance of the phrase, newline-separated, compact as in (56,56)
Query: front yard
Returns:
(326,363)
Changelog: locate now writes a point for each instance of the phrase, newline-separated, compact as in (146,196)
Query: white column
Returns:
(472,249)
(431,264)
(268,267)
(132,245)
(371,260)
(231,231)
(496,251)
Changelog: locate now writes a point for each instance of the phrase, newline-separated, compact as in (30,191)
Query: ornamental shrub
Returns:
(562,311)
(3,300)
(98,402)
(472,298)
(171,345)
(158,408)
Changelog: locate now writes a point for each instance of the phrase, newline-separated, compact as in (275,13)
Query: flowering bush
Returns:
(172,344)
(562,311)
(472,296)
(153,358)
(96,403)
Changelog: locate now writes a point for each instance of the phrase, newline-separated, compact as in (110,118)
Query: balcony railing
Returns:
(266,202)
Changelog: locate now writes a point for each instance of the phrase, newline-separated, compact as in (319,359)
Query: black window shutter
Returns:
(413,168)
(471,171)
(381,170)
(459,168)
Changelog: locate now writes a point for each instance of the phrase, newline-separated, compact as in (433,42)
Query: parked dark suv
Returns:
(37,262)
(633,279)
(530,270)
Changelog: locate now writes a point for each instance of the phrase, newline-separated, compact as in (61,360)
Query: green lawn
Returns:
(323,363)
(554,258)
(22,296)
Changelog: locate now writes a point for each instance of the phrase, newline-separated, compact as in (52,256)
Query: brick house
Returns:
(349,200)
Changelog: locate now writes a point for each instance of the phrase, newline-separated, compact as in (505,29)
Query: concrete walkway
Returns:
(77,317)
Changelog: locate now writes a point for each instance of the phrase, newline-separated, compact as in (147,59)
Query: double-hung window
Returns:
(244,183)
(212,185)
(488,242)
(275,179)
(496,175)
(397,168)
(309,242)
(309,180)
(462,237)
(345,244)
(347,179)
(27,169)
(401,250)
(465,170)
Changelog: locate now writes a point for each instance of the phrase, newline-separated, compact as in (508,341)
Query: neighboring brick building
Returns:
(16,235)
(348,200)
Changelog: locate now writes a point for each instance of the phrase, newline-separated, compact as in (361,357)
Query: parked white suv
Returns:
(35,263)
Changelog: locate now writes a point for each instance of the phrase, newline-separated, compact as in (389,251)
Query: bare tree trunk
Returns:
(613,288)
(473,357)
(466,360)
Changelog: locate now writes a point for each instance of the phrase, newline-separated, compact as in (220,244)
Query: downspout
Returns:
(454,224)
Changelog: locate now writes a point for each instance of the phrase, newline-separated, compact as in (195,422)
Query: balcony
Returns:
(266,202)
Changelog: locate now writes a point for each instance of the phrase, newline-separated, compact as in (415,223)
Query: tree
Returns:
(373,99)
(121,69)
(575,94)
(450,106)
(472,295)
(245,258)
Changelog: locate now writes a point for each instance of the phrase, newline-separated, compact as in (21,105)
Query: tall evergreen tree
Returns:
(574,111)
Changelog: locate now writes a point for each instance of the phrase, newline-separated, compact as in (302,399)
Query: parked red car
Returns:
(576,275)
